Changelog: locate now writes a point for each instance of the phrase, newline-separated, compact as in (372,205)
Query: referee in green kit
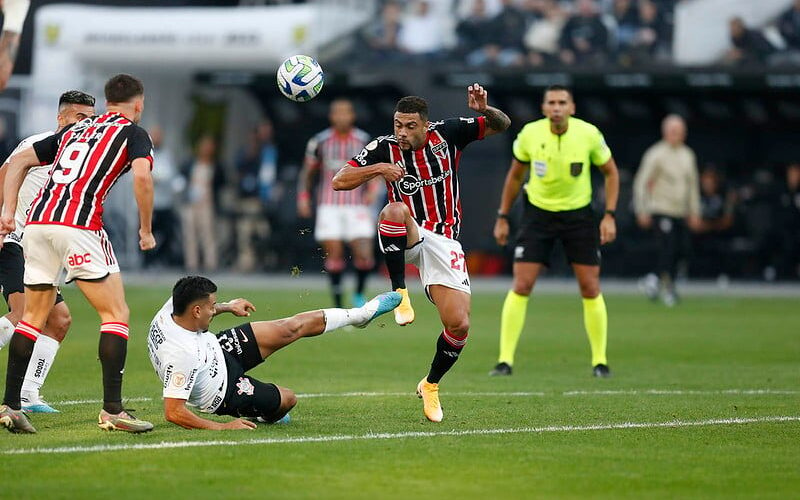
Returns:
(561,149)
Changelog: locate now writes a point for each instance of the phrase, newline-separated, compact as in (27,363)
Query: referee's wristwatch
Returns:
(501,215)
(612,213)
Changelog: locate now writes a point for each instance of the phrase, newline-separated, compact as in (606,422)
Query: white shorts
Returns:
(50,248)
(344,223)
(440,261)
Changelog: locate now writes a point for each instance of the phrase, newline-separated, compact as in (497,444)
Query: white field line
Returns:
(621,392)
(72,402)
(680,392)
(399,435)
(409,393)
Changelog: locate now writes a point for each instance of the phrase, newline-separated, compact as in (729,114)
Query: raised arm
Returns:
(175,411)
(514,180)
(143,192)
(16,168)
(496,120)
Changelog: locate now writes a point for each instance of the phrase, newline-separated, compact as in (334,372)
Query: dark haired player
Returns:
(73,106)
(421,223)
(207,371)
(64,231)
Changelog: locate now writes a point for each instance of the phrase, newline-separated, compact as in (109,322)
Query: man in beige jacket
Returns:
(667,202)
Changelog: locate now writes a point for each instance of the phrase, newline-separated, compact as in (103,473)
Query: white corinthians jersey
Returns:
(190,364)
(35,179)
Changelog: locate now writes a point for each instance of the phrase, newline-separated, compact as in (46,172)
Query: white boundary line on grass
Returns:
(679,392)
(621,392)
(400,435)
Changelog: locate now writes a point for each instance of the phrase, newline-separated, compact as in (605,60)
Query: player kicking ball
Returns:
(208,371)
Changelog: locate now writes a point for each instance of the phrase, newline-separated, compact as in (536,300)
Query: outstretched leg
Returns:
(277,334)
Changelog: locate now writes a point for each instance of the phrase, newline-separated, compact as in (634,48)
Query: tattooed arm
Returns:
(496,120)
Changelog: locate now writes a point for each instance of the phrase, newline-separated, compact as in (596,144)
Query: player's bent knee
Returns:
(459,327)
(288,399)
(395,211)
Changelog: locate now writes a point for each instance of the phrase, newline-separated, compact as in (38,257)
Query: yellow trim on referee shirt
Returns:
(560,179)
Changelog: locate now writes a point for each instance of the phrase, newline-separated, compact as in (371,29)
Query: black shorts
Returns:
(577,230)
(245,396)
(12,271)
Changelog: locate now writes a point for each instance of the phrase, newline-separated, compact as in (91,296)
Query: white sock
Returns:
(44,352)
(6,331)
(337,318)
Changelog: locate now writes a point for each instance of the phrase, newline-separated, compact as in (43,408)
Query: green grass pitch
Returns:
(703,386)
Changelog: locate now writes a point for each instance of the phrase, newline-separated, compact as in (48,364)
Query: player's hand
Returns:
(146,240)
(393,172)
(608,229)
(501,230)
(477,98)
(645,221)
(7,225)
(304,208)
(239,424)
(240,307)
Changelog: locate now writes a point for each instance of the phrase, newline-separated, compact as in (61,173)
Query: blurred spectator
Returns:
(654,36)
(421,36)
(256,166)
(748,46)
(788,224)
(202,175)
(584,39)
(382,38)
(473,32)
(712,242)
(626,15)
(667,201)
(268,163)
(541,39)
(789,26)
(166,184)
(498,40)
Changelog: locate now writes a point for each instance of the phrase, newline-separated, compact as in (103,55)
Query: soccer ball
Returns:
(300,78)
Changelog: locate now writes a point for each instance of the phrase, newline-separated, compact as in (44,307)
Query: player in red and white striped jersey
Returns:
(73,106)
(421,223)
(342,216)
(64,231)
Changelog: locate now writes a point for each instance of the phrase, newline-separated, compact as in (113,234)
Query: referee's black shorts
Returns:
(577,230)
(245,396)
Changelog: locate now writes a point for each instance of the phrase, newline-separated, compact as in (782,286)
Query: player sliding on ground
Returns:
(421,223)
(208,371)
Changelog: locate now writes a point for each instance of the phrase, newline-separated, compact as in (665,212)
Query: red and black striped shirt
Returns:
(327,151)
(430,186)
(87,158)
